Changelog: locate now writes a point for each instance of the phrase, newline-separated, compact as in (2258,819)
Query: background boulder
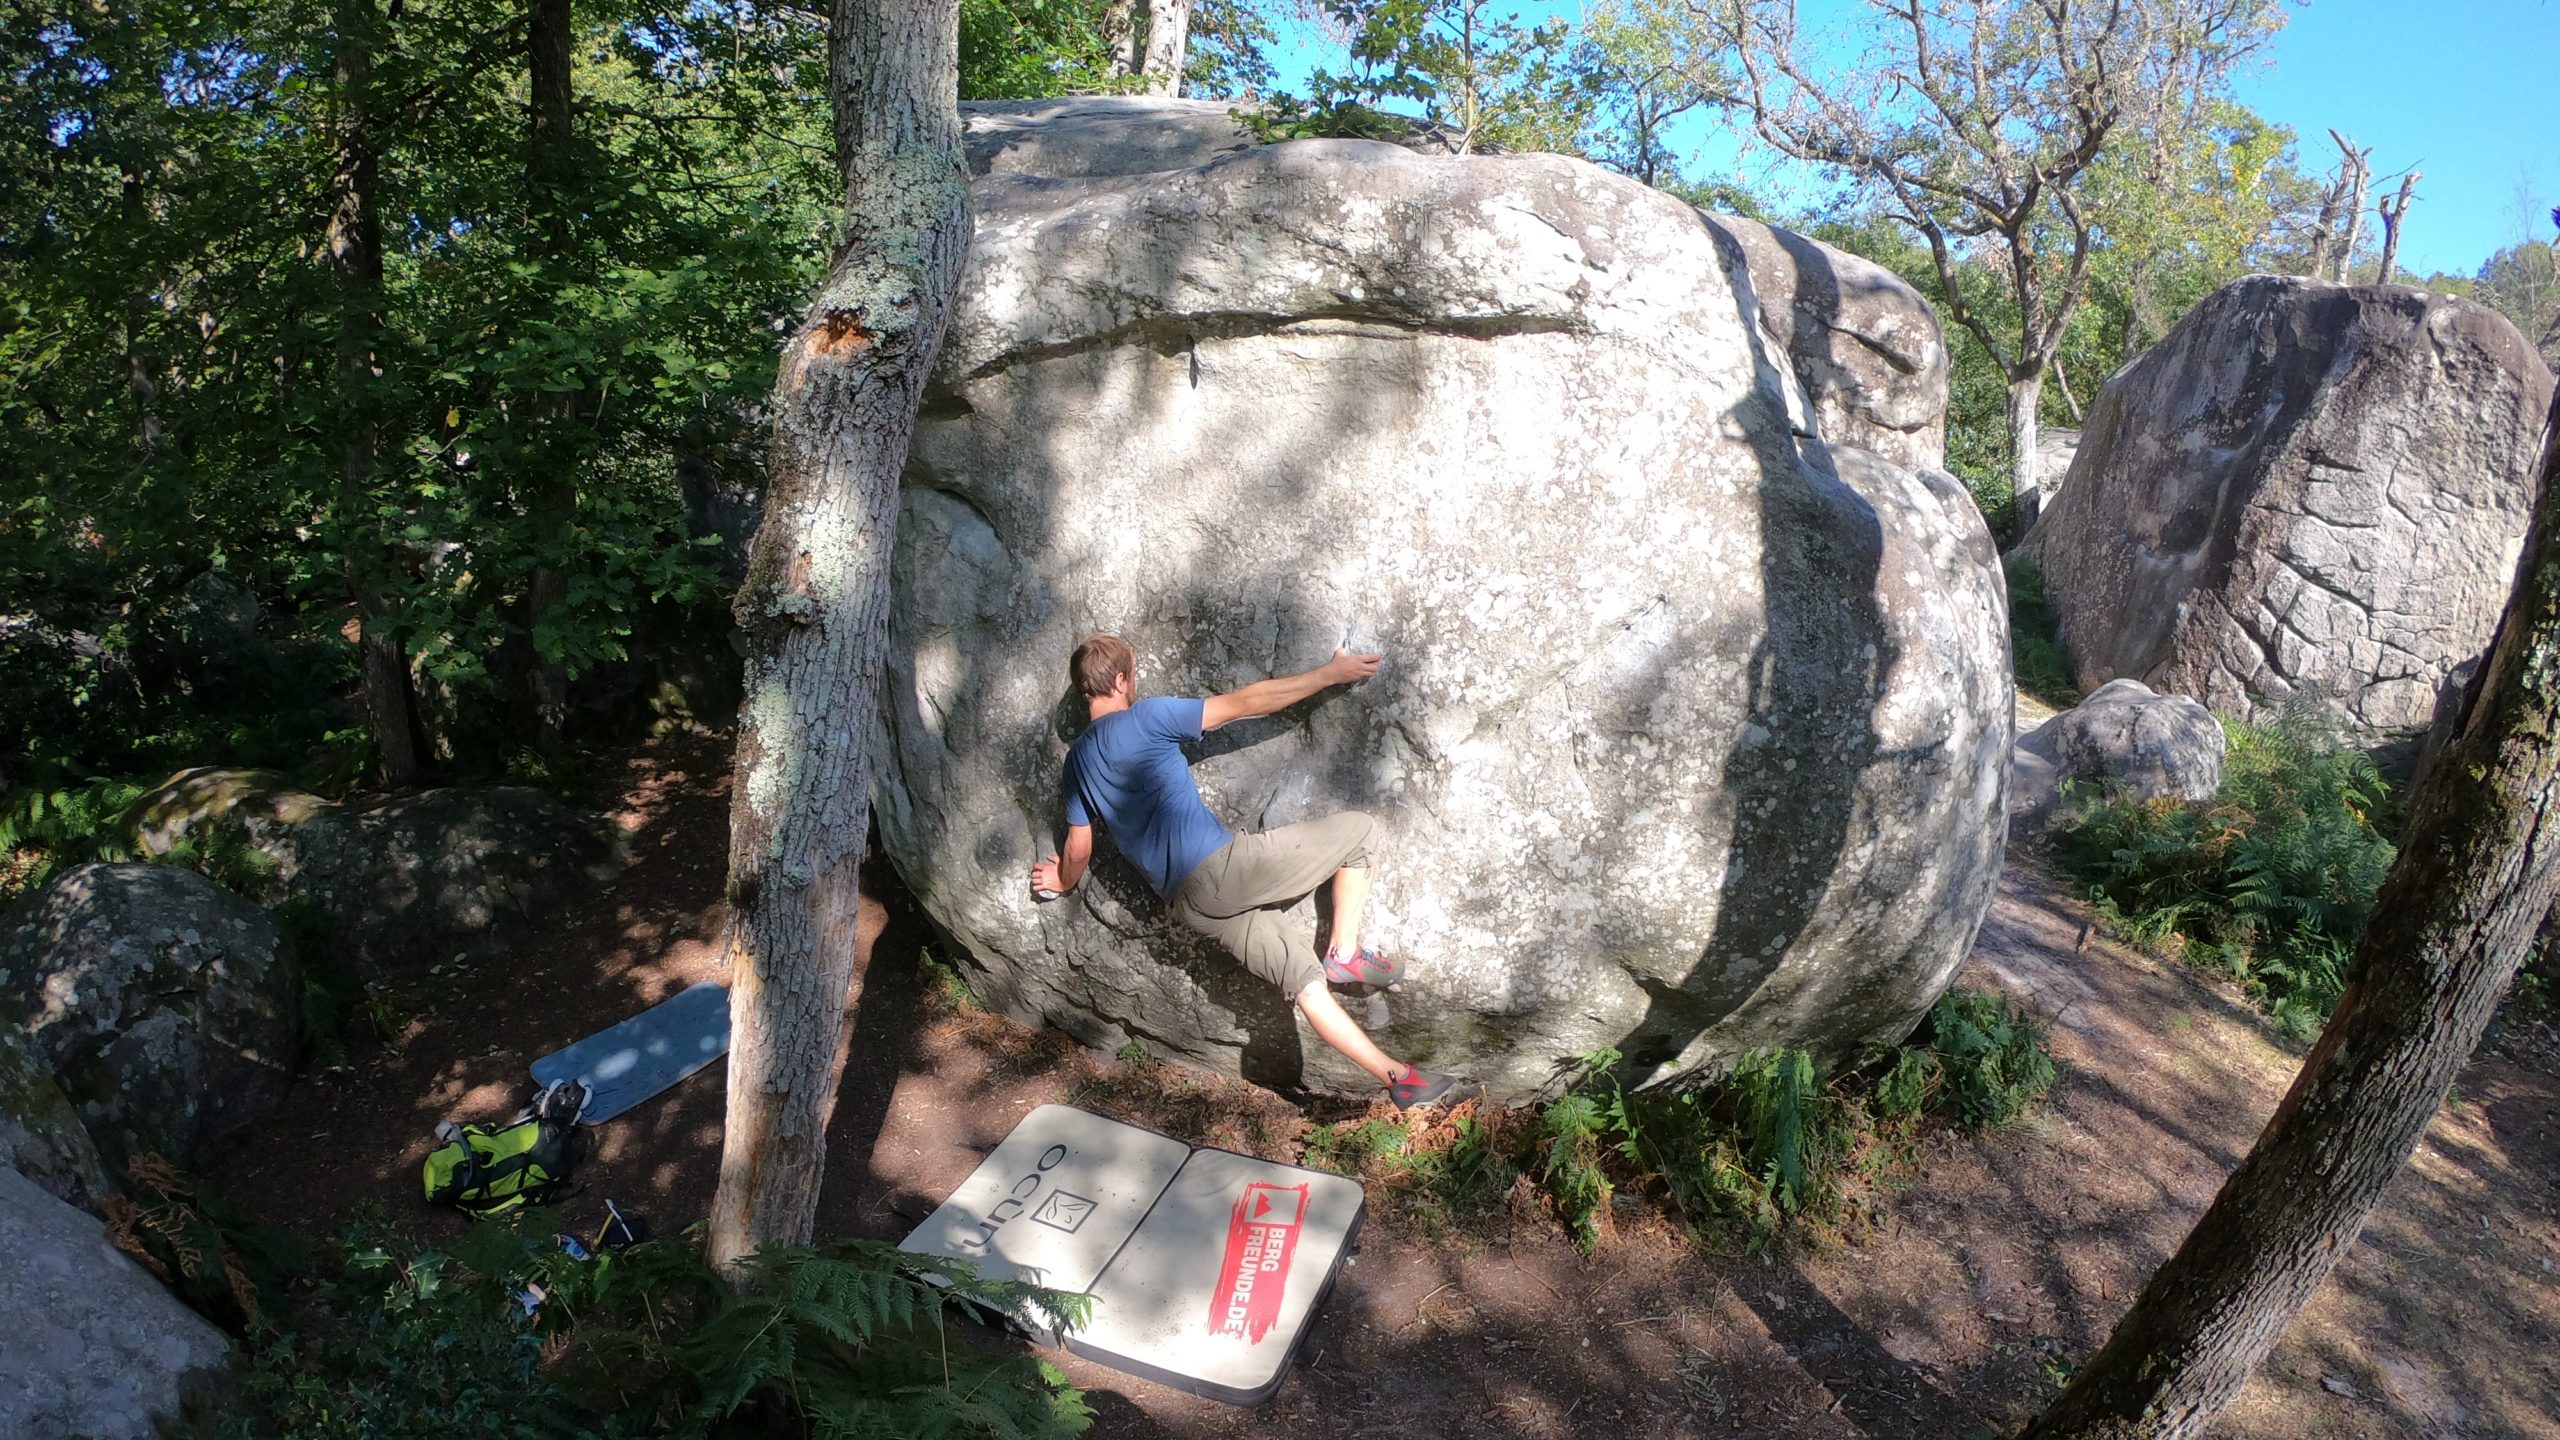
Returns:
(2123,740)
(1693,731)
(461,871)
(211,805)
(158,1001)
(96,1349)
(2305,494)
(450,872)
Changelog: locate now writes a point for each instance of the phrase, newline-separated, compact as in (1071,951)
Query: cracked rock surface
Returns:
(1694,727)
(2308,494)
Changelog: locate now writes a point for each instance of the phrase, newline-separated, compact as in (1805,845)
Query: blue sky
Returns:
(2465,90)
(2468,91)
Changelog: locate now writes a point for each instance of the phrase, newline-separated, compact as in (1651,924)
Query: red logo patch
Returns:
(1262,1233)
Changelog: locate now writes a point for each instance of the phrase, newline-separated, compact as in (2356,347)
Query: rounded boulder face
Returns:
(2123,741)
(1692,734)
(2306,495)
(159,1002)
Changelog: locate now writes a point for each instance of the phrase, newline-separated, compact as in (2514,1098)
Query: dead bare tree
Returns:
(1148,39)
(2393,211)
(1168,38)
(1975,122)
(815,605)
(2341,221)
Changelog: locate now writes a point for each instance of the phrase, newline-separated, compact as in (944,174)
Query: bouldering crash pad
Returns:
(1206,1267)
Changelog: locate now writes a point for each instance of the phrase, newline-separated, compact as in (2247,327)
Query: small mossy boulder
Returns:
(400,886)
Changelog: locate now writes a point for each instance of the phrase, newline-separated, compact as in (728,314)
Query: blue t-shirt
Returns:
(1129,772)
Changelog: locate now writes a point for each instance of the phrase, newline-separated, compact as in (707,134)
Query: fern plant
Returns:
(45,828)
(1774,1140)
(851,1341)
(2270,882)
(1990,1055)
(506,1335)
(1576,1128)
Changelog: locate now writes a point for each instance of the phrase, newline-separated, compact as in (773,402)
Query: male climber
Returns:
(1129,771)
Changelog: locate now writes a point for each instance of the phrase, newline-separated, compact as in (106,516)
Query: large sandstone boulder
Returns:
(2123,742)
(158,1001)
(2056,447)
(427,878)
(1693,731)
(2306,494)
(95,1348)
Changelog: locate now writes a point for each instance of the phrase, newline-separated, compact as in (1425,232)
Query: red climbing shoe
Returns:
(1365,967)
(1416,1087)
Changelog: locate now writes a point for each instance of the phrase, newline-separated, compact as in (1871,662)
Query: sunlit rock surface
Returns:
(1693,732)
(2306,495)
(2123,742)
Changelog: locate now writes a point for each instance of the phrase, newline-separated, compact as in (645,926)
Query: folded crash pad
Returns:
(1206,1267)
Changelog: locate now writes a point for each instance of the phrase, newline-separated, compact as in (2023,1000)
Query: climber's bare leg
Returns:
(1350,897)
(1325,1015)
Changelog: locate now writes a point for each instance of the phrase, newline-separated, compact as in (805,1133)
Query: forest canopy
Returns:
(375,370)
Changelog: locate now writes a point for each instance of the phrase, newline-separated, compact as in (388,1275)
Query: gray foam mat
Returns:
(644,1055)
(1217,1287)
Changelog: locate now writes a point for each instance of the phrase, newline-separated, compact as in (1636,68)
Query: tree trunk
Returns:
(2393,211)
(1168,37)
(1122,38)
(2474,879)
(2353,228)
(2027,485)
(2345,203)
(141,372)
(2062,378)
(355,258)
(547,175)
(815,604)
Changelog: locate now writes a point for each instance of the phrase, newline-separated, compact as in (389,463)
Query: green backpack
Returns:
(489,1172)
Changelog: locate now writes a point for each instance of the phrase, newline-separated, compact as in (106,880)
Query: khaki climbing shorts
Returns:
(1241,895)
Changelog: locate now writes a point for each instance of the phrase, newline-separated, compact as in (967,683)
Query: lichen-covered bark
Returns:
(2475,876)
(1168,42)
(815,605)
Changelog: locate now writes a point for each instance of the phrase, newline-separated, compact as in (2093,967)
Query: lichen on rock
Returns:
(160,1004)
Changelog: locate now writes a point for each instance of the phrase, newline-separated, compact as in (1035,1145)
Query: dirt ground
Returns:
(1996,1261)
